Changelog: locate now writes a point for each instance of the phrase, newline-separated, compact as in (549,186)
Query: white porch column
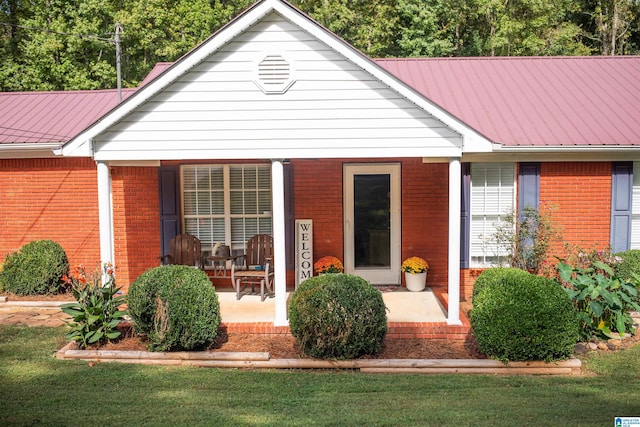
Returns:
(455,178)
(104,213)
(279,254)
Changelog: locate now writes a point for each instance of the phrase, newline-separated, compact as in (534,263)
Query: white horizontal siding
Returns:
(333,109)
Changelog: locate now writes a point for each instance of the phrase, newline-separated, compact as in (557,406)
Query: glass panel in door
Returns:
(372,220)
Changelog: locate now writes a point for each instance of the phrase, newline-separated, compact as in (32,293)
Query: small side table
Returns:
(220,263)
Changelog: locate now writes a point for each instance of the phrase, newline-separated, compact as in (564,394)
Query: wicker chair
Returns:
(258,267)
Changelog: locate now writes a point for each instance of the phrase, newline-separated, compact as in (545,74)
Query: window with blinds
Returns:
(635,208)
(492,197)
(226,204)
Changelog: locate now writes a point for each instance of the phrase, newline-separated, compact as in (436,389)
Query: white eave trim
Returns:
(29,150)
(473,141)
(567,148)
(576,153)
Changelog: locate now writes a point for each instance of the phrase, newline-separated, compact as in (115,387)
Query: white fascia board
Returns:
(282,153)
(557,154)
(77,145)
(29,150)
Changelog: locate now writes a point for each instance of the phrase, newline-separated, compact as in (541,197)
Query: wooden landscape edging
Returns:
(262,360)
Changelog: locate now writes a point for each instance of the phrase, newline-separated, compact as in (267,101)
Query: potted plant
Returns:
(328,264)
(415,273)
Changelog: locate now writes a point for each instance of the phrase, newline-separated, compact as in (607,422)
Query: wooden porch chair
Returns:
(184,249)
(258,267)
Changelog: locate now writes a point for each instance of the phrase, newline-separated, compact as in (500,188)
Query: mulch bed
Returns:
(286,347)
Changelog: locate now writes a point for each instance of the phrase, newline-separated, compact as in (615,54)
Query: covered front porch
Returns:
(409,314)
(328,112)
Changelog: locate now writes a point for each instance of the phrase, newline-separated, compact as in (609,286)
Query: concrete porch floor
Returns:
(402,306)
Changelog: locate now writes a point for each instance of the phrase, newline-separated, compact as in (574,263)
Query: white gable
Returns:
(323,104)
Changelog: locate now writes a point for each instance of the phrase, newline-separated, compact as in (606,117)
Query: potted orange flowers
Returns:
(328,264)
(415,273)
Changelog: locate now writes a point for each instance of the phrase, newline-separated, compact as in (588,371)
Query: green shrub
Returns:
(36,269)
(522,318)
(493,276)
(629,264)
(602,299)
(338,316)
(176,307)
(95,313)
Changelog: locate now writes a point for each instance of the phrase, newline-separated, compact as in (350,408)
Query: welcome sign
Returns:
(304,250)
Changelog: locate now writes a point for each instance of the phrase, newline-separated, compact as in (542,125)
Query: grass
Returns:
(37,389)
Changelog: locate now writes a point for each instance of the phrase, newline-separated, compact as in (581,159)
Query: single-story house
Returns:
(275,119)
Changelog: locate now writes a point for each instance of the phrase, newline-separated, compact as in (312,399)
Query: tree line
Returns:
(69,44)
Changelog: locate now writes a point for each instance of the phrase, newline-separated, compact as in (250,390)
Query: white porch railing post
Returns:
(280,265)
(453,310)
(104,213)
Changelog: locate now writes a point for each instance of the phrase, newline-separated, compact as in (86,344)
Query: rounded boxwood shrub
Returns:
(492,276)
(36,269)
(338,316)
(176,307)
(524,317)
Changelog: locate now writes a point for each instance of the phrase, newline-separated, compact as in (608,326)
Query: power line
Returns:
(45,30)
(35,134)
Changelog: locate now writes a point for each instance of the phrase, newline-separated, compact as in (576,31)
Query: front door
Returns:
(372,222)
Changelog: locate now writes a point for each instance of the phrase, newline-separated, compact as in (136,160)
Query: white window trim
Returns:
(635,208)
(227,216)
(486,261)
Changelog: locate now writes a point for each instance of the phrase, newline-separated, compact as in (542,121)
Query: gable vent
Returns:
(274,74)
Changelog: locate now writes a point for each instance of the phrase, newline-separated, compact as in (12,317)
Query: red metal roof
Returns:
(515,101)
(39,117)
(534,101)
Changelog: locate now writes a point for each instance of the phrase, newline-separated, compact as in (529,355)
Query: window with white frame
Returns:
(226,204)
(635,208)
(492,197)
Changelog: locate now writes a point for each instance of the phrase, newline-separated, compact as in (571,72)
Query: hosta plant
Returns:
(603,300)
(95,314)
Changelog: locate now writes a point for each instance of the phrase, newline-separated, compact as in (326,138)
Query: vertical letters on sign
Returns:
(304,250)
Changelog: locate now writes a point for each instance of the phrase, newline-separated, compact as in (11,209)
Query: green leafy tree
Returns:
(58,44)
(369,25)
(611,25)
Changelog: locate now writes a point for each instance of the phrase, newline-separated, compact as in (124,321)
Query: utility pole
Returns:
(118,77)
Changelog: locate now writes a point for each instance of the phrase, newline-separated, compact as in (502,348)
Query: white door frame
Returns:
(378,275)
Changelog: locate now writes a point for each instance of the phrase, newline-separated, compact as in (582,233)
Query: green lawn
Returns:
(37,389)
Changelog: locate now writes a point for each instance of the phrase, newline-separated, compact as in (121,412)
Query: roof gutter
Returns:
(578,153)
(30,150)
(565,149)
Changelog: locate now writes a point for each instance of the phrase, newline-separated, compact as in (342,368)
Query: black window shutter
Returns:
(289,230)
(528,187)
(169,182)
(621,200)
(465,215)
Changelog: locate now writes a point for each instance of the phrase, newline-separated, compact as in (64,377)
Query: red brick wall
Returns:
(53,199)
(581,196)
(318,196)
(136,221)
(425,216)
